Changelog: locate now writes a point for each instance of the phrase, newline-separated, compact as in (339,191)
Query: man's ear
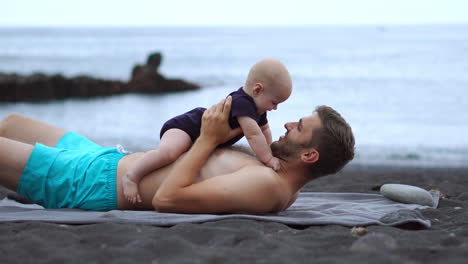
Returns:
(310,155)
(257,89)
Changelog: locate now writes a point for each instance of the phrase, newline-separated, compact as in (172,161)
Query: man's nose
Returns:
(290,125)
(275,107)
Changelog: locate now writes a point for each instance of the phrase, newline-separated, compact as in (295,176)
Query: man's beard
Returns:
(285,150)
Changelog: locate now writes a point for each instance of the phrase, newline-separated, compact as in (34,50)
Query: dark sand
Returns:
(246,241)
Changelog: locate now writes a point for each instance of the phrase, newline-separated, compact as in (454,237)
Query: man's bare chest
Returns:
(225,161)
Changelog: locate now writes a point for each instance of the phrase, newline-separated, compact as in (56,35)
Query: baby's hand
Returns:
(273,163)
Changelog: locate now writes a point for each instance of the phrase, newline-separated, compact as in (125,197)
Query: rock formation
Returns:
(41,87)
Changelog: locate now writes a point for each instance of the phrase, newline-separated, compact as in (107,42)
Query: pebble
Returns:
(358,231)
(407,194)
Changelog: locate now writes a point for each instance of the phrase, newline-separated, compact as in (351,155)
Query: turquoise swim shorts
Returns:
(76,173)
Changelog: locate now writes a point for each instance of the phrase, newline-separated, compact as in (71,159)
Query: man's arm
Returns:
(235,192)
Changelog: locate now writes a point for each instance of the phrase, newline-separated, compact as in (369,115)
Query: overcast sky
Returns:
(234,12)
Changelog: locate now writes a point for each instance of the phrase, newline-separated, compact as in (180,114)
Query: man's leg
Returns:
(30,131)
(13,158)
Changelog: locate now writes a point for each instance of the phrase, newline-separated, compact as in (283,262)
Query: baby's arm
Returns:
(267,133)
(257,141)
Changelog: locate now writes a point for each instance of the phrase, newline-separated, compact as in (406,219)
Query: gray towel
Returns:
(347,209)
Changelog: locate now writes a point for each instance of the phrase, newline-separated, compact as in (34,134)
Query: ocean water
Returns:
(403,89)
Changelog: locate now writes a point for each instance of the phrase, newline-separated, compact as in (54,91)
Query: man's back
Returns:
(246,171)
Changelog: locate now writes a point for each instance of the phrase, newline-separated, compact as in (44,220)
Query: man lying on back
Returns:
(57,168)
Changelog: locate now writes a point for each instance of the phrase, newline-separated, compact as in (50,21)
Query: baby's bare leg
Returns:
(13,157)
(30,131)
(173,143)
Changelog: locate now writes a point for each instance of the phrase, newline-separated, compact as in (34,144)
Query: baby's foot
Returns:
(130,190)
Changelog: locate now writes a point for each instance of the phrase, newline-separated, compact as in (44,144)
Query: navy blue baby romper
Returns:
(242,105)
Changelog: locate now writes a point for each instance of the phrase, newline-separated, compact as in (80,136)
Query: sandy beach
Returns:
(247,241)
(116,71)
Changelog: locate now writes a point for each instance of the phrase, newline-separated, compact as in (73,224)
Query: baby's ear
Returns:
(257,89)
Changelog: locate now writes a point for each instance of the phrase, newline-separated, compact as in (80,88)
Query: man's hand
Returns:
(215,126)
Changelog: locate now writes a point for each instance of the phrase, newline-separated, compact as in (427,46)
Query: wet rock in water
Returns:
(154,60)
(146,79)
(41,87)
(407,194)
(374,242)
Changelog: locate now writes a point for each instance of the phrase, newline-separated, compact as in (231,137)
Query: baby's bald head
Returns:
(272,75)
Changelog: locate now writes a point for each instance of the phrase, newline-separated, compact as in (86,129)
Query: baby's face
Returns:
(270,97)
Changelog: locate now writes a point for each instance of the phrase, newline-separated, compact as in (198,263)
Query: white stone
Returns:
(407,194)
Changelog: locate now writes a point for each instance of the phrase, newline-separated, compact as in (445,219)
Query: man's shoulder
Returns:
(265,186)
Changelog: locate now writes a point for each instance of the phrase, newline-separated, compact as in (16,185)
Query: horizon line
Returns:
(227,25)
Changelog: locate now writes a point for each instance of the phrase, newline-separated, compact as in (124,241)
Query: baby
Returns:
(268,84)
